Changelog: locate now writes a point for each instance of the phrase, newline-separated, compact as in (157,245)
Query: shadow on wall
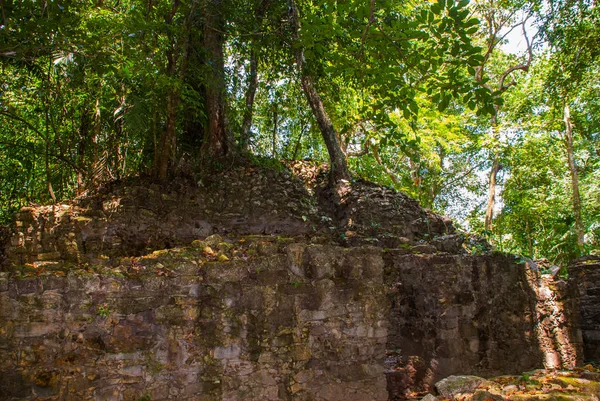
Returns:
(484,315)
(559,339)
(584,274)
(4,241)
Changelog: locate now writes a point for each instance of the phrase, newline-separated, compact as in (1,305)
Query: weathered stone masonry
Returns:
(585,275)
(298,321)
(484,315)
(309,323)
(120,296)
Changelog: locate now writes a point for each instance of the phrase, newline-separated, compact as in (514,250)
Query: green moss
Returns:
(283,241)
(224,246)
(583,384)
(198,244)
(153,366)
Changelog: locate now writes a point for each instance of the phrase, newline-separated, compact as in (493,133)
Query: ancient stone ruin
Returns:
(259,284)
(585,275)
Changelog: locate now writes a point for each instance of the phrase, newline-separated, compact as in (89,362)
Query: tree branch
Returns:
(390,174)
(523,67)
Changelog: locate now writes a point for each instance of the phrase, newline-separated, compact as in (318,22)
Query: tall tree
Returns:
(339,166)
(497,76)
(218,139)
(573,33)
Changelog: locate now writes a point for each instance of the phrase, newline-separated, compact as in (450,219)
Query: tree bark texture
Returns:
(579,231)
(217,139)
(82,144)
(167,140)
(274,138)
(252,79)
(176,63)
(250,94)
(491,202)
(339,167)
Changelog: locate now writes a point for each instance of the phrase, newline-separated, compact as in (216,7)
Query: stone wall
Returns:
(128,294)
(585,275)
(133,219)
(269,318)
(484,315)
(304,323)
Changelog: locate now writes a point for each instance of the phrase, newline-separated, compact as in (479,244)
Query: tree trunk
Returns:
(95,165)
(118,141)
(339,167)
(250,93)
(275,120)
(177,58)
(491,202)
(574,176)
(167,139)
(252,79)
(217,138)
(299,140)
(84,134)
(47,157)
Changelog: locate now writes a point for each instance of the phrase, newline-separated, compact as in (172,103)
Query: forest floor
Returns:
(580,384)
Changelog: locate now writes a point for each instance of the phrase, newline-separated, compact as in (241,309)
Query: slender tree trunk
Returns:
(297,147)
(339,167)
(167,140)
(96,133)
(274,138)
(217,139)
(529,240)
(250,94)
(47,157)
(84,132)
(579,231)
(116,155)
(177,58)
(252,80)
(491,202)
(155,138)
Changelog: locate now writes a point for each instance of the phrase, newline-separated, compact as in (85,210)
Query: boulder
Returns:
(453,385)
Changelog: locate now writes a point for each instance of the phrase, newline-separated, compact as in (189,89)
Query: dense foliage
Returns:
(423,96)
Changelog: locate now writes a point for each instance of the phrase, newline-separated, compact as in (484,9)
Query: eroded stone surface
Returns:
(157,291)
(454,385)
(581,384)
(133,219)
(479,315)
(210,331)
(585,274)
(279,320)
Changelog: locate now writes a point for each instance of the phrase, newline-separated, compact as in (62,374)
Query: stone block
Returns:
(295,259)
(232,351)
(4,282)
(453,385)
